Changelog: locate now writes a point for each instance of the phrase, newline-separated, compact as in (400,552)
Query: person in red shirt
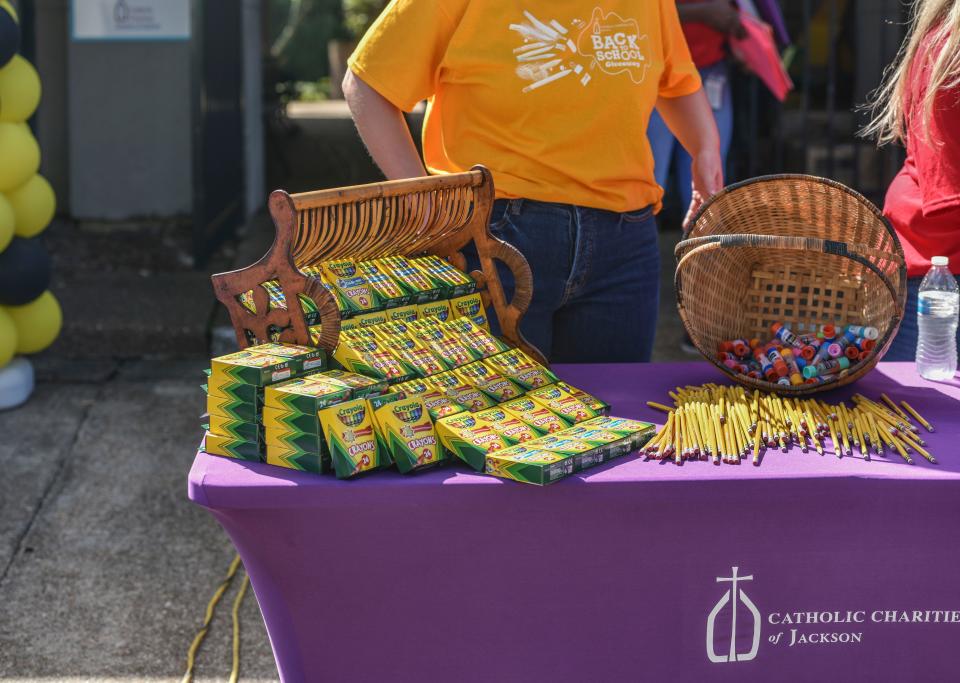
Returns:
(919,105)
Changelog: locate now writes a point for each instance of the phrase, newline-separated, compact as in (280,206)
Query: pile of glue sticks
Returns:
(792,359)
(727,424)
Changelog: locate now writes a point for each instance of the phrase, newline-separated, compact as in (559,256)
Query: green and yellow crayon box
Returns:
(454,388)
(233,408)
(354,290)
(494,385)
(360,384)
(409,434)
(351,439)
(305,395)
(481,342)
(522,369)
(584,453)
(403,313)
(303,358)
(510,427)
(536,415)
(372,360)
(294,458)
(599,406)
(563,403)
(420,288)
(224,385)
(229,447)
(229,427)
(457,282)
(250,367)
(469,440)
(471,306)
(389,293)
(439,309)
(529,465)
(638,432)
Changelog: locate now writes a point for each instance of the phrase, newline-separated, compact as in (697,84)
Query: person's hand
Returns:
(707,171)
(723,16)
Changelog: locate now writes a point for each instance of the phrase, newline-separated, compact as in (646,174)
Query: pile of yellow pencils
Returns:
(727,424)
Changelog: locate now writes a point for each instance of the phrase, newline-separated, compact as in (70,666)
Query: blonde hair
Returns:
(936,22)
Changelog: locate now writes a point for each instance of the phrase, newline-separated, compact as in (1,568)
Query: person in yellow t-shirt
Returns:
(553,96)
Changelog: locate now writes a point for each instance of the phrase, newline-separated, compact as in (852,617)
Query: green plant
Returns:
(358,15)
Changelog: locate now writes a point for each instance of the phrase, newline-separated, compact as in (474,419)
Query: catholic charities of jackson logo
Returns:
(734,615)
(734,599)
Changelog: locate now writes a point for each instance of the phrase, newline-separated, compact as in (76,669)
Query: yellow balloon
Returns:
(6,222)
(33,205)
(38,323)
(19,90)
(19,155)
(8,338)
(5,4)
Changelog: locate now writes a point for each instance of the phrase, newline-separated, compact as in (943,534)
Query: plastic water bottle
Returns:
(938,306)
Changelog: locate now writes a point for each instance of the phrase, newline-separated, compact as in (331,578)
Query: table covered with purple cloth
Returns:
(807,567)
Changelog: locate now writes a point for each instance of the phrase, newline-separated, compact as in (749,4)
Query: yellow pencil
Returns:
(917,416)
(893,406)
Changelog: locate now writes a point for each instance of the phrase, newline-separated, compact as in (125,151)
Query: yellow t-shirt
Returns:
(552,96)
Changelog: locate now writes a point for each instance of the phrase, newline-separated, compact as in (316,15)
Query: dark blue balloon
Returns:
(24,271)
(9,36)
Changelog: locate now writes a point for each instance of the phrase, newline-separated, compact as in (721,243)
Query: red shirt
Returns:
(923,201)
(706,44)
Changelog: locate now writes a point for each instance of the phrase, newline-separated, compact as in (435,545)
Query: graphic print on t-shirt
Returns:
(608,43)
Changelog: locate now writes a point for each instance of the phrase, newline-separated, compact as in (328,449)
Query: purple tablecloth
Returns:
(619,574)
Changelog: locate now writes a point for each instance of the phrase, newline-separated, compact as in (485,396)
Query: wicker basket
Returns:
(796,249)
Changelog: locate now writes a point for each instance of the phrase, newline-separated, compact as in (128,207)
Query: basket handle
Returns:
(853,251)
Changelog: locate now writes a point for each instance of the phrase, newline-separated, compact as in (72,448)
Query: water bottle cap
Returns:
(940,260)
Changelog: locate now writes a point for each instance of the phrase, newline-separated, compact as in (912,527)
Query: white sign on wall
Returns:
(130,19)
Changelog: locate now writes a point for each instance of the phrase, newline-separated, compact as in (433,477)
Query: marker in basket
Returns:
(777,361)
(870,333)
(783,333)
(795,377)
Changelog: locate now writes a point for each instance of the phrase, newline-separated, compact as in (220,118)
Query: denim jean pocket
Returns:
(638,216)
(499,217)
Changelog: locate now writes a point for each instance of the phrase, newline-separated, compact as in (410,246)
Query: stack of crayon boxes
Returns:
(388,288)
(792,359)
(235,393)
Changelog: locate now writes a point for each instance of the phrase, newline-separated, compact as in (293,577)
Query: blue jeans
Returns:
(904,346)
(667,152)
(596,279)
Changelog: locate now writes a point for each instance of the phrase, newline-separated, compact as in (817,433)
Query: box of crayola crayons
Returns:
(370,319)
(439,309)
(561,402)
(446,346)
(496,386)
(370,358)
(421,359)
(409,435)
(638,432)
(471,306)
(230,427)
(277,300)
(464,393)
(475,338)
(230,447)
(305,395)
(403,313)
(389,293)
(522,369)
(598,406)
(349,433)
(410,278)
(469,440)
(359,384)
(438,405)
(234,408)
(291,457)
(511,428)
(350,287)
(456,281)
(535,414)
(529,465)
(584,453)
(303,358)
(250,367)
